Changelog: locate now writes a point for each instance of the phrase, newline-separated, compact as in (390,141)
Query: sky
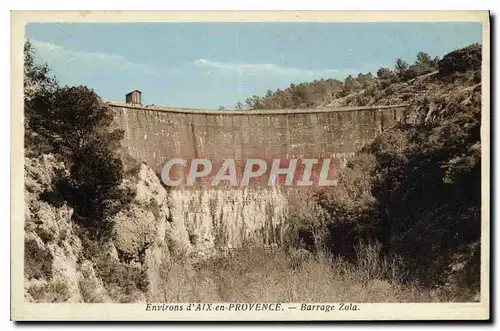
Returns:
(207,65)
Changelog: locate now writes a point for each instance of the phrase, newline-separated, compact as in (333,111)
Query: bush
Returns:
(124,282)
(384,73)
(348,208)
(406,191)
(414,72)
(275,276)
(93,188)
(305,226)
(424,213)
(461,60)
(37,261)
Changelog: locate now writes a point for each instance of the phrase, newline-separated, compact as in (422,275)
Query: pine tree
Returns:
(400,66)
(423,60)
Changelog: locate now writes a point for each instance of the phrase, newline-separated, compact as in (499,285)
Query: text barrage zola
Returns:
(328,307)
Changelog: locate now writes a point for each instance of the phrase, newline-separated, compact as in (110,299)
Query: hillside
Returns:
(403,84)
(406,188)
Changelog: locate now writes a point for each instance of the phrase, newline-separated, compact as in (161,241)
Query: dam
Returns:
(217,218)
(155,134)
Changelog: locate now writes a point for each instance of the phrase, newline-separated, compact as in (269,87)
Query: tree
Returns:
(384,73)
(461,60)
(93,188)
(421,170)
(75,125)
(400,66)
(36,76)
(351,84)
(254,102)
(37,81)
(239,106)
(423,60)
(435,62)
(70,118)
(364,79)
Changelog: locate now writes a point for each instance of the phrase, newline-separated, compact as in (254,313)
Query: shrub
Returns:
(93,188)
(37,261)
(275,276)
(384,73)
(305,226)
(54,291)
(125,282)
(461,60)
(400,66)
(424,213)
(348,208)
(414,71)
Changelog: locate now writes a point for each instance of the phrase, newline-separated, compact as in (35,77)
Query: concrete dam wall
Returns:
(216,218)
(156,134)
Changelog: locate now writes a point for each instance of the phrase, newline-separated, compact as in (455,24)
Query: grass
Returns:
(256,275)
(259,275)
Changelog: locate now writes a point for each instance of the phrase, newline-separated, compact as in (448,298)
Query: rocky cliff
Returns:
(54,269)
(61,265)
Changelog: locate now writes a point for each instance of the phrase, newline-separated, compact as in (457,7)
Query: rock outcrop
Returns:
(54,267)
(158,225)
(226,219)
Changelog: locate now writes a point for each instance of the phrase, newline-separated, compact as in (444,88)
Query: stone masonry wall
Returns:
(156,134)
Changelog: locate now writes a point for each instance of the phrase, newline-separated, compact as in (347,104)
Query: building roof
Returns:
(134,91)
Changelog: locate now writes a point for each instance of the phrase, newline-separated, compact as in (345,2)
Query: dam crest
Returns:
(154,134)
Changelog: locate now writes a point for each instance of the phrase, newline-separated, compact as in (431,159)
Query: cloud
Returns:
(267,68)
(65,56)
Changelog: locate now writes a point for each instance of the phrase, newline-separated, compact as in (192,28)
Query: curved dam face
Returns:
(156,134)
(217,217)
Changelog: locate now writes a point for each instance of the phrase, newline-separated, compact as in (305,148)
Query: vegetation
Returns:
(321,93)
(298,96)
(36,76)
(406,188)
(124,282)
(461,60)
(73,124)
(259,275)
